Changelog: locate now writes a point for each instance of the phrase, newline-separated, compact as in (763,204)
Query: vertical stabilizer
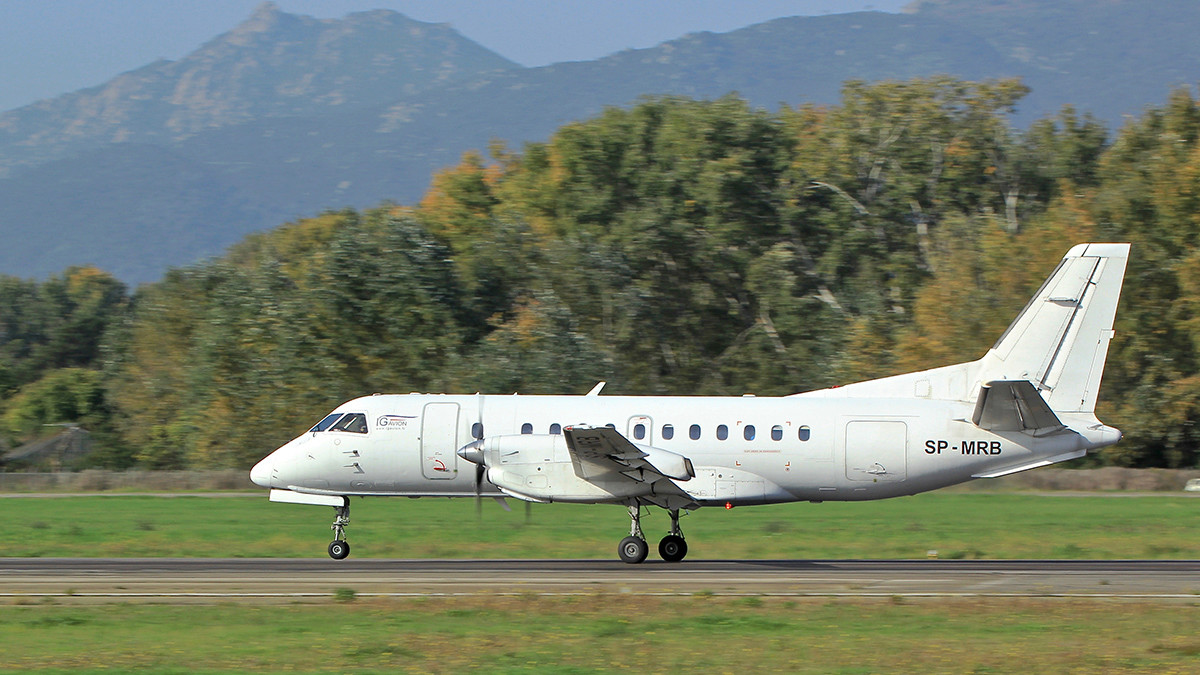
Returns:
(1059,342)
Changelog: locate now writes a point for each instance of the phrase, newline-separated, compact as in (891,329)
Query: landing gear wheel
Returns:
(672,548)
(633,550)
(339,549)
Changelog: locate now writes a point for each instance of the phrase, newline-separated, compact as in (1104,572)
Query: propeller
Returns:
(473,452)
(479,469)
(480,466)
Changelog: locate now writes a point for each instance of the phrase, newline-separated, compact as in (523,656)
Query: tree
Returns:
(65,396)
(1149,193)
(58,323)
(226,360)
(677,246)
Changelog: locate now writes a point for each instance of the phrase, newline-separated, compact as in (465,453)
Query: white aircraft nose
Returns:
(261,473)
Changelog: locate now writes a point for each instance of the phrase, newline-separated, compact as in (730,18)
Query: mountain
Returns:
(272,65)
(287,115)
(1108,57)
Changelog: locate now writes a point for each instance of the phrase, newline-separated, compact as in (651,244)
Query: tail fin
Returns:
(1059,342)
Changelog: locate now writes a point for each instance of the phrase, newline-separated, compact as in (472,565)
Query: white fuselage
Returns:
(745,450)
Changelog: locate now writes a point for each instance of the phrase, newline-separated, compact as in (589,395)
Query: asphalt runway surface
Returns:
(170,579)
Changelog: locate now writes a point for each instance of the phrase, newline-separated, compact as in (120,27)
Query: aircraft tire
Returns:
(633,550)
(339,549)
(672,548)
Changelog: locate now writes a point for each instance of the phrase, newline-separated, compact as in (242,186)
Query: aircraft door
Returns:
(876,450)
(640,430)
(439,441)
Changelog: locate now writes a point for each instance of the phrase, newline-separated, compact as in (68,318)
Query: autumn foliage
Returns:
(673,247)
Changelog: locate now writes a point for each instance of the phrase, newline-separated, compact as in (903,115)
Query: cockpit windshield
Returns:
(354,423)
(327,422)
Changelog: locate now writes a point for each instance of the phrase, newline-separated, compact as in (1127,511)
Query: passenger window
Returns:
(355,423)
(777,433)
(748,432)
(694,432)
(477,430)
(805,432)
(555,429)
(527,428)
(668,432)
(722,432)
(327,422)
(639,431)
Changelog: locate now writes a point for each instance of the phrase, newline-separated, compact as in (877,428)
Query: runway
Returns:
(162,579)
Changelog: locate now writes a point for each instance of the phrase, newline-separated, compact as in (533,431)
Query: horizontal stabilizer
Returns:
(1035,464)
(1014,405)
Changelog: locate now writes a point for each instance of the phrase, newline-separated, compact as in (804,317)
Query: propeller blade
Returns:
(480,466)
(479,469)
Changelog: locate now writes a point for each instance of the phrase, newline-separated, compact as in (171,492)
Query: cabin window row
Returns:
(526,429)
(749,432)
(667,432)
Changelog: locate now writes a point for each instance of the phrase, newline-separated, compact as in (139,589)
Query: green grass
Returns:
(602,634)
(956,525)
(606,633)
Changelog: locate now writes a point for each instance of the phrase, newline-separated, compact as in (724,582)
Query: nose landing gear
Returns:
(339,548)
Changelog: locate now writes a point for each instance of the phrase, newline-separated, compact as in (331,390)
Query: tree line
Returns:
(674,247)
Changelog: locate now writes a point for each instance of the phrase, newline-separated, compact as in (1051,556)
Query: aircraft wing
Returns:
(602,454)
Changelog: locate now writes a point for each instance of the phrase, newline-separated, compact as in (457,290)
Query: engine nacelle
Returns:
(540,468)
(495,451)
(668,463)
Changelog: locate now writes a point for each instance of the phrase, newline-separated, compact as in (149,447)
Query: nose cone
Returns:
(261,473)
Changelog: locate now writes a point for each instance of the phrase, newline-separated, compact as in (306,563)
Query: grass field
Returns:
(605,634)
(956,525)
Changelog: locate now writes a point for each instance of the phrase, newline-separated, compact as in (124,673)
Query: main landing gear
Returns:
(634,549)
(339,548)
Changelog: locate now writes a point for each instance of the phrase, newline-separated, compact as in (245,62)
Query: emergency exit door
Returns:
(640,430)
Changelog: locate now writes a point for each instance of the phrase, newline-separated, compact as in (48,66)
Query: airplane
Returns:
(1028,402)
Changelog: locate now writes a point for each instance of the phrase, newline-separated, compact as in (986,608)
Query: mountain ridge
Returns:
(286,115)
(257,70)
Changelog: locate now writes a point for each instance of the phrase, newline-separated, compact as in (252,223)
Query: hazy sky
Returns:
(49,47)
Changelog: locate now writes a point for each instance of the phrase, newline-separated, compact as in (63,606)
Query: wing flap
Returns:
(600,451)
